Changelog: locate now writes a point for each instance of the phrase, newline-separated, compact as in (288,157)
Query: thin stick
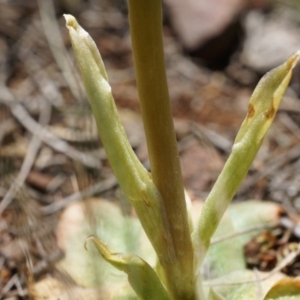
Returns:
(9,284)
(88,192)
(28,161)
(58,49)
(272,166)
(47,137)
(247,230)
(288,122)
(215,138)
(258,284)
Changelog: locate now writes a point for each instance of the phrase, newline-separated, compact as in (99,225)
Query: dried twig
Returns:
(258,284)
(58,49)
(88,192)
(245,231)
(47,137)
(273,165)
(29,159)
(10,284)
(213,137)
(48,88)
(287,121)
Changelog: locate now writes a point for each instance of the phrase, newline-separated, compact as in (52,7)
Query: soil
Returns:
(50,153)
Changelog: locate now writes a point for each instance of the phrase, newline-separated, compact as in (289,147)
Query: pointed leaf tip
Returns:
(141,276)
(71,21)
(91,237)
(293,60)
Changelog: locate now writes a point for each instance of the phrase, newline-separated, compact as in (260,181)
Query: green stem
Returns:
(146,32)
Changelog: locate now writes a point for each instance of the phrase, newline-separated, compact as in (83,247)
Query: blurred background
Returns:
(50,155)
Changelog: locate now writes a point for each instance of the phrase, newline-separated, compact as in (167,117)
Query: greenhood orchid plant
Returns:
(158,197)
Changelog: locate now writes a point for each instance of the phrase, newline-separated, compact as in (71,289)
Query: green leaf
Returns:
(243,285)
(261,112)
(285,289)
(243,216)
(123,232)
(130,172)
(253,213)
(213,295)
(141,276)
(247,285)
(227,254)
(133,178)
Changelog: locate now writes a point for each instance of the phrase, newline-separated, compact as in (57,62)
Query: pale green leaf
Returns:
(226,256)
(128,169)
(234,231)
(243,285)
(133,178)
(261,112)
(123,232)
(248,285)
(141,276)
(285,289)
(213,295)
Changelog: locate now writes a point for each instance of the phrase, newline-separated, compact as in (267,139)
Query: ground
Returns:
(50,153)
